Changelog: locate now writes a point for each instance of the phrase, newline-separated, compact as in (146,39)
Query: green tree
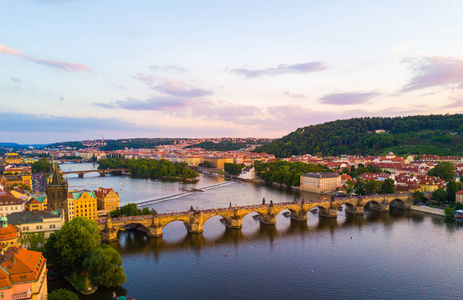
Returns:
(418,196)
(233,169)
(62,294)
(439,194)
(104,267)
(443,170)
(452,188)
(41,165)
(68,248)
(349,186)
(449,212)
(371,186)
(387,187)
(359,187)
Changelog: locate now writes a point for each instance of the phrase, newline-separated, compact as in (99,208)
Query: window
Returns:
(2,295)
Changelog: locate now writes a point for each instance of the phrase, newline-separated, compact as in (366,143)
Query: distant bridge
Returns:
(102,172)
(232,216)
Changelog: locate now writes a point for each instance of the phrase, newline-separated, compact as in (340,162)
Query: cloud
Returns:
(16,79)
(434,71)
(17,122)
(166,104)
(347,98)
(299,96)
(172,87)
(65,66)
(281,69)
(168,68)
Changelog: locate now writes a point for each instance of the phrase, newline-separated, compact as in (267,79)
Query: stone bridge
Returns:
(102,172)
(232,217)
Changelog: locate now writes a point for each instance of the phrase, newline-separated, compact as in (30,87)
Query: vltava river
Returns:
(395,255)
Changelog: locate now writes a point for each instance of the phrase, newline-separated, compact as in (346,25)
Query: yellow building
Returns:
(14,159)
(320,182)
(218,162)
(192,160)
(37,203)
(84,204)
(9,235)
(107,199)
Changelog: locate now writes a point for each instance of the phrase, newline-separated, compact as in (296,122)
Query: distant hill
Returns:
(433,134)
(21,146)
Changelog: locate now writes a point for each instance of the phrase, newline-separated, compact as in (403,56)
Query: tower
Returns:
(57,192)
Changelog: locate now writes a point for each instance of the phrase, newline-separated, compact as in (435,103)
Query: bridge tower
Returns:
(57,192)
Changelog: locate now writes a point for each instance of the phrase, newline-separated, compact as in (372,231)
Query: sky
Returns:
(76,69)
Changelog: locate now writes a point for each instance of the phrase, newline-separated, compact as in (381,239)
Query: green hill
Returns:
(433,134)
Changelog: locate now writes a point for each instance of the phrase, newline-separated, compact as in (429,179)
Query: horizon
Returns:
(81,70)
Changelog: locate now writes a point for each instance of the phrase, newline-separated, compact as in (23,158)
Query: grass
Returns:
(82,283)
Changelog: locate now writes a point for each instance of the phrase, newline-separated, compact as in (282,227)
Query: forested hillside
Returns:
(434,134)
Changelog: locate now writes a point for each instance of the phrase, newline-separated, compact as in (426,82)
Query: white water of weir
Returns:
(144,203)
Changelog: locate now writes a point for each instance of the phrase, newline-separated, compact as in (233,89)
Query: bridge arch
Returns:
(373,204)
(397,203)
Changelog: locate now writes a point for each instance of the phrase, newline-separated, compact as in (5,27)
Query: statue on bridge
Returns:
(263,201)
(271,203)
(154,212)
(191,209)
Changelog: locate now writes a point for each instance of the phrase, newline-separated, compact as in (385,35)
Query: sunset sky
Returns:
(76,69)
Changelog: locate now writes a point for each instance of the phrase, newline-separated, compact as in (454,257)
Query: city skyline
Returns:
(79,70)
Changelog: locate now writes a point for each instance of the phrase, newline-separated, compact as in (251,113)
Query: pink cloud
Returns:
(347,98)
(65,66)
(434,71)
(172,87)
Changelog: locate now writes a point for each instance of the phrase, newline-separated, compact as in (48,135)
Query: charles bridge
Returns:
(102,172)
(232,216)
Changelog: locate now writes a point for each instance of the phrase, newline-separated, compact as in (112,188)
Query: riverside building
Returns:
(320,182)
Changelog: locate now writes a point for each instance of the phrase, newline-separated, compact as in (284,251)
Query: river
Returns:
(395,255)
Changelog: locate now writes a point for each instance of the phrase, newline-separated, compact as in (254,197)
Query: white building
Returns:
(248,173)
(10,204)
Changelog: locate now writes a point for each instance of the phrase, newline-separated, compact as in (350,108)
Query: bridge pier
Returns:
(154,231)
(195,228)
(102,174)
(384,207)
(300,216)
(268,219)
(355,210)
(328,213)
(81,175)
(234,223)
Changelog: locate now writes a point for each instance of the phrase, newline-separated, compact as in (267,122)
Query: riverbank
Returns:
(428,210)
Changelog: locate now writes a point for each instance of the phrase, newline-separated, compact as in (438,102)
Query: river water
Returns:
(395,255)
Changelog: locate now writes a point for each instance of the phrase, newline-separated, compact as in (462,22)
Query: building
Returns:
(37,203)
(9,236)
(14,159)
(57,192)
(23,275)
(459,196)
(85,204)
(10,204)
(37,221)
(320,182)
(248,173)
(107,199)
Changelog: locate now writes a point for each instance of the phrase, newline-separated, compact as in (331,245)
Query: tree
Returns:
(371,186)
(62,294)
(443,170)
(233,169)
(449,212)
(68,248)
(41,165)
(418,196)
(387,187)
(439,194)
(359,187)
(349,186)
(452,188)
(104,267)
